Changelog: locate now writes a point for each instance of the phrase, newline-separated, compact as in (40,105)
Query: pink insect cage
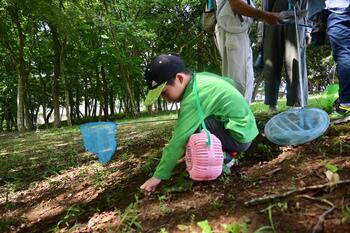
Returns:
(204,156)
(204,162)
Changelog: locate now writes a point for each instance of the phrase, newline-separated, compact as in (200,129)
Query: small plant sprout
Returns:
(331,167)
(270,218)
(164,209)
(164,197)
(204,225)
(345,209)
(283,206)
(236,227)
(332,175)
(163,230)
(128,219)
(73,213)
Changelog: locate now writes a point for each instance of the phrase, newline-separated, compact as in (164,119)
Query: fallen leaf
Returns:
(333,178)
(182,227)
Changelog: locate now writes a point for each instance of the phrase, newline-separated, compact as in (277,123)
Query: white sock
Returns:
(346,105)
(231,163)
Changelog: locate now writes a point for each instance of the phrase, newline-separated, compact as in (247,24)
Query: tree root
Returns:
(264,199)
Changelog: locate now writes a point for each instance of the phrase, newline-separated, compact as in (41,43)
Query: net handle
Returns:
(199,109)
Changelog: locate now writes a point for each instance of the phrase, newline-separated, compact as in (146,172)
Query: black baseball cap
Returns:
(159,71)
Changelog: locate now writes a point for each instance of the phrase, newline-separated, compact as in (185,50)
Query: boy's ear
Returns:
(180,77)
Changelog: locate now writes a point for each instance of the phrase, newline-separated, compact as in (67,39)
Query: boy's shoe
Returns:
(229,161)
(294,108)
(341,113)
(273,109)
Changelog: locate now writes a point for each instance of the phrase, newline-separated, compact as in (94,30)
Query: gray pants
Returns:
(233,43)
(280,46)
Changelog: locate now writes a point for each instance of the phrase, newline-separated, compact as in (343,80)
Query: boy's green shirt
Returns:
(218,99)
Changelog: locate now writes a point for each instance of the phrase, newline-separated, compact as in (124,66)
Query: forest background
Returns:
(86,57)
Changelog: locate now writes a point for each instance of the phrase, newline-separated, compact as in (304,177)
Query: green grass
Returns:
(32,156)
(314,101)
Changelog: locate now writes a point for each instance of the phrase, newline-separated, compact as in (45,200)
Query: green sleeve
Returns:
(186,125)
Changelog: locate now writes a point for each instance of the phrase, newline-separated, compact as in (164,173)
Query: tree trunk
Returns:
(20,104)
(86,101)
(57,70)
(77,103)
(1,122)
(132,100)
(49,115)
(111,101)
(44,116)
(120,105)
(94,107)
(159,104)
(98,92)
(67,94)
(105,92)
(22,74)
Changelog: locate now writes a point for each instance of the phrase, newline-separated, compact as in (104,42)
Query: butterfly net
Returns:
(297,126)
(99,138)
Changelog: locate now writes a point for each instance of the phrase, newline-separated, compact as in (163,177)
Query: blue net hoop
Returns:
(99,139)
(297,126)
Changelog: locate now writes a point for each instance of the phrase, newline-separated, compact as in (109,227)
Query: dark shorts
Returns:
(229,144)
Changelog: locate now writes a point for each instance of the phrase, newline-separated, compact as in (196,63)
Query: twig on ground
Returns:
(318,227)
(317,199)
(291,192)
(270,173)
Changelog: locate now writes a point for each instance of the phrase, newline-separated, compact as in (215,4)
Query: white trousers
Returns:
(237,60)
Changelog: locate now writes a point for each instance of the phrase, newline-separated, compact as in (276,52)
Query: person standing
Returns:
(338,29)
(280,48)
(234,19)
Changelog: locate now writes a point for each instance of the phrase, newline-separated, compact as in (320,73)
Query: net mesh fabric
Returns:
(297,126)
(99,138)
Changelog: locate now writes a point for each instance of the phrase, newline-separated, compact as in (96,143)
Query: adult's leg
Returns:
(273,57)
(338,28)
(294,94)
(237,60)
(229,144)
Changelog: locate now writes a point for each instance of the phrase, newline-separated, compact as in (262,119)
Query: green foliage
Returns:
(105,46)
(128,219)
(163,230)
(236,228)
(264,229)
(99,179)
(270,218)
(4,225)
(283,206)
(204,225)
(331,167)
(182,184)
(345,213)
(266,150)
(73,213)
(149,164)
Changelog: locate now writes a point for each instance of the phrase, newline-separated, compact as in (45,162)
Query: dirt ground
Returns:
(90,197)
